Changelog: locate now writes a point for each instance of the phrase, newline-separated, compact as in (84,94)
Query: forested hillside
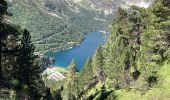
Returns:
(133,64)
(59,24)
(56,24)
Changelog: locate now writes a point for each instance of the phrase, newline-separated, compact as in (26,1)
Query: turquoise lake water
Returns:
(81,52)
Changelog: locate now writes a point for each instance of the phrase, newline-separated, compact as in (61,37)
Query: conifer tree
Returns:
(17,58)
(72,68)
(155,41)
(29,73)
(10,47)
(98,64)
(86,76)
(3,9)
(118,54)
(87,73)
(70,86)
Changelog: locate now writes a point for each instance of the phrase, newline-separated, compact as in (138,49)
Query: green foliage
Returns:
(138,45)
(55,29)
(72,68)
(48,32)
(104,94)
(86,75)
(160,92)
(29,70)
(3,7)
(154,39)
(98,64)
(132,59)
(19,68)
(70,86)
(13,95)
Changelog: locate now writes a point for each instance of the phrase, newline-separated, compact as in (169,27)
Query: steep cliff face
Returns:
(55,23)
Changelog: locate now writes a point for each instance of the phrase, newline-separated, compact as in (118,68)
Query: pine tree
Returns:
(29,73)
(18,61)
(72,69)
(70,86)
(86,74)
(85,77)
(10,45)
(138,44)
(122,46)
(3,9)
(114,47)
(98,64)
(10,48)
(155,41)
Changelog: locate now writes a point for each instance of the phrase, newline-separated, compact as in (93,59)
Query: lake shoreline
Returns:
(79,52)
(74,45)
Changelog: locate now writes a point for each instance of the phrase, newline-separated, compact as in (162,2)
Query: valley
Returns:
(55,23)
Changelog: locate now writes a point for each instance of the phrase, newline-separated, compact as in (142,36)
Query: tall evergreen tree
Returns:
(10,45)
(85,77)
(115,49)
(70,86)
(123,46)
(98,64)
(18,61)
(29,73)
(3,9)
(155,40)
(86,74)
